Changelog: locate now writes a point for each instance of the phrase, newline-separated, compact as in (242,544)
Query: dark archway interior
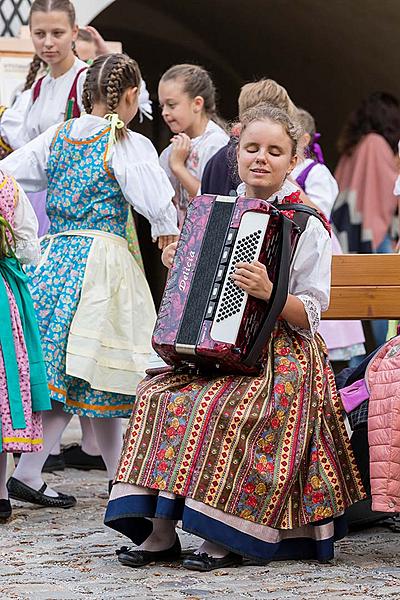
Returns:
(328,54)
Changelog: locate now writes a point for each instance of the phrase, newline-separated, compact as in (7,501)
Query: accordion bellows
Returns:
(205,319)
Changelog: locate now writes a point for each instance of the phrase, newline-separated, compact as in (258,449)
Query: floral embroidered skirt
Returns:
(260,465)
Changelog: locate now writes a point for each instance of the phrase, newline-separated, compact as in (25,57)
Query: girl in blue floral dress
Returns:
(93,303)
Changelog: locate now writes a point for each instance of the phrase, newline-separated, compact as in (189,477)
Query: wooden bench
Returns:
(365,286)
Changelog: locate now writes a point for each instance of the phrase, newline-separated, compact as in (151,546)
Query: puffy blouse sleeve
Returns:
(13,121)
(144,183)
(28,164)
(211,147)
(322,189)
(26,230)
(310,273)
(80,84)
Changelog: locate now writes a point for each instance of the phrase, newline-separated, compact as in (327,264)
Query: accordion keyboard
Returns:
(232,300)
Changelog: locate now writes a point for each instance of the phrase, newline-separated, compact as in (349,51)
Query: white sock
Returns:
(3,476)
(56,449)
(212,550)
(162,537)
(108,432)
(29,468)
(89,441)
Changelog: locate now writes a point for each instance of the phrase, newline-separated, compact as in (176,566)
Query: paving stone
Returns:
(47,554)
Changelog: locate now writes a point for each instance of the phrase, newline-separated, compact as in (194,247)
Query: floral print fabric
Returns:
(271,450)
(82,194)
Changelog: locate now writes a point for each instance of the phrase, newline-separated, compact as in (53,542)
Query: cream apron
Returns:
(109,341)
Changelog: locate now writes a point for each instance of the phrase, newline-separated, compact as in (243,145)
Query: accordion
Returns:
(205,319)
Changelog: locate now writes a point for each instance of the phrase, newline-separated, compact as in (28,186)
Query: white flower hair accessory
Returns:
(145,104)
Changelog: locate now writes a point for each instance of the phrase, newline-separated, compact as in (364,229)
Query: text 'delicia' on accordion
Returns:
(204,318)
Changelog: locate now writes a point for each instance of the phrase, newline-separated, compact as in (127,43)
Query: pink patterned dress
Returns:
(29,438)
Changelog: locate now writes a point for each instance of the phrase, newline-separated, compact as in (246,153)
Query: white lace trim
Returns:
(28,251)
(312,307)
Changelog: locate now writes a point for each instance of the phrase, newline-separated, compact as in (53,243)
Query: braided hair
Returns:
(45,6)
(107,79)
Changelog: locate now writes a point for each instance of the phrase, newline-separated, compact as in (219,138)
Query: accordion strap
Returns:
(279,294)
(307,212)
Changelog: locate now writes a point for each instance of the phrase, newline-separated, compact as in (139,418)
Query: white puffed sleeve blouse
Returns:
(310,269)
(25,119)
(26,228)
(133,160)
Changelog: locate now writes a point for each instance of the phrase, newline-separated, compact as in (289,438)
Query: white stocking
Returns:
(29,468)
(3,476)
(108,432)
(89,441)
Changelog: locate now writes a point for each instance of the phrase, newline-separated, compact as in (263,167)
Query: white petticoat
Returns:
(109,342)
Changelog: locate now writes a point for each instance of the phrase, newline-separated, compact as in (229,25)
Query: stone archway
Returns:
(328,55)
(87,10)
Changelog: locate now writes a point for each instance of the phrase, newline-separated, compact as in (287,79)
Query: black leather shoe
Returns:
(21,491)
(76,458)
(5,510)
(139,558)
(54,462)
(204,562)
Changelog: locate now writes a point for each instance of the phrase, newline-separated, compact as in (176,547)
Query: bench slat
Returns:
(366,269)
(368,302)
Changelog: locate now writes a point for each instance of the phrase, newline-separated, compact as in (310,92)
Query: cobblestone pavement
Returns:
(48,554)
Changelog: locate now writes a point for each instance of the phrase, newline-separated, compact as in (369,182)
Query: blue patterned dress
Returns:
(83,194)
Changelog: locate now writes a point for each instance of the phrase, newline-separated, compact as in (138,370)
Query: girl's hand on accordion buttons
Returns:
(253,279)
(166,240)
(168,255)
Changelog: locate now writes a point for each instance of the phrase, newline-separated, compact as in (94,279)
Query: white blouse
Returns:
(202,149)
(134,162)
(321,186)
(26,119)
(310,269)
(26,228)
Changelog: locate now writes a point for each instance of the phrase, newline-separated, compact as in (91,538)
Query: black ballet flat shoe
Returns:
(5,510)
(54,462)
(76,458)
(203,562)
(21,491)
(140,558)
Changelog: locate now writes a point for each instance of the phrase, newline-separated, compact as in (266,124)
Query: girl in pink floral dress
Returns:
(23,385)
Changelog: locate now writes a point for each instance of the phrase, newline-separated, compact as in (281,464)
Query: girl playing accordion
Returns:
(258,467)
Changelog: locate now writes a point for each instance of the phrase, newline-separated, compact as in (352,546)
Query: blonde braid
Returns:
(34,67)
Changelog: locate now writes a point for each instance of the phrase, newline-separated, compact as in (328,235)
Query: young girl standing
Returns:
(345,339)
(93,303)
(256,466)
(187,99)
(23,386)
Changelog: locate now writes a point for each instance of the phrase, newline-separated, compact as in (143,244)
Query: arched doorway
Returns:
(327,54)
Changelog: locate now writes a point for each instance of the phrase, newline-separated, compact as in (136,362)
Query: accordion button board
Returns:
(228,311)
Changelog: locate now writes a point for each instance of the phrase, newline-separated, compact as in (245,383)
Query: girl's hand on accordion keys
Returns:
(168,255)
(253,279)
